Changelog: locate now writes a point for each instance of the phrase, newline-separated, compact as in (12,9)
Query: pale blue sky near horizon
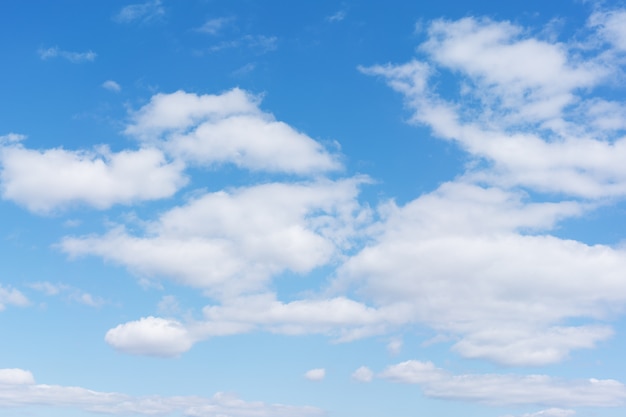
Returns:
(293,209)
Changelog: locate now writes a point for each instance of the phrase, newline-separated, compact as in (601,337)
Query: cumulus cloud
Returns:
(232,242)
(11,296)
(45,180)
(145,12)
(317,374)
(508,389)
(150,336)
(509,287)
(74,57)
(18,389)
(363,374)
(227,128)
(534,123)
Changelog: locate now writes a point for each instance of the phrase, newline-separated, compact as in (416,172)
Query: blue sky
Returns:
(296,209)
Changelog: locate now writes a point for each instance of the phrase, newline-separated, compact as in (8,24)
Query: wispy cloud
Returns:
(19,389)
(508,389)
(337,16)
(215,26)
(140,12)
(75,57)
(111,86)
(71,293)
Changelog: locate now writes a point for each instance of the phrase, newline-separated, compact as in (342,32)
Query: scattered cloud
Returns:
(11,296)
(337,17)
(317,374)
(74,57)
(150,336)
(232,242)
(508,389)
(363,374)
(394,346)
(46,180)
(71,293)
(216,25)
(550,412)
(143,12)
(227,128)
(111,86)
(260,44)
(11,138)
(18,389)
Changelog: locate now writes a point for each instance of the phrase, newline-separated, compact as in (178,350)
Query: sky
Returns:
(295,209)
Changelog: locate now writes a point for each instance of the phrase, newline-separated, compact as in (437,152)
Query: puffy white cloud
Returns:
(523,106)
(74,57)
(151,336)
(15,377)
(469,261)
(215,25)
(317,374)
(227,128)
(508,389)
(147,11)
(232,242)
(18,388)
(12,296)
(45,180)
(363,374)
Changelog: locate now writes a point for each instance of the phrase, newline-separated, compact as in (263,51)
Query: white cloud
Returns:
(523,106)
(233,242)
(75,57)
(317,374)
(45,180)
(15,377)
(111,86)
(612,27)
(337,16)
(145,12)
(508,389)
(505,294)
(363,374)
(11,296)
(550,412)
(214,26)
(151,336)
(73,294)
(227,128)
(394,346)
(11,138)
(18,389)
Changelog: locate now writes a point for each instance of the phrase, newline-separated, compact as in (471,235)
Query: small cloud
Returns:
(214,26)
(112,86)
(363,374)
(11,296)
(394,346)
(337,17)
(317,374)
(72,294)
(168,305)
(11,138)
(74,57)
(246,69)
(142,11)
